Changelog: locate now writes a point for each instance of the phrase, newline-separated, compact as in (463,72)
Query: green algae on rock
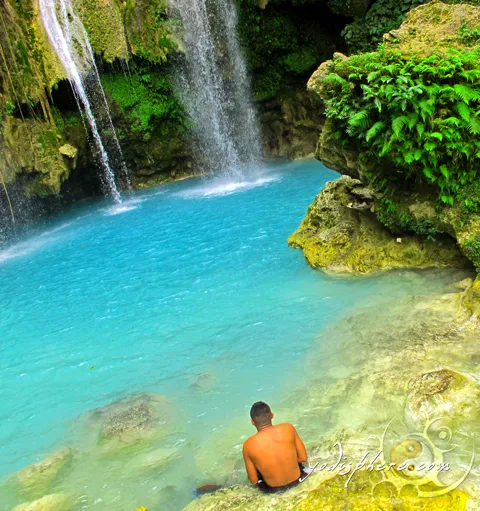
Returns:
(471,298)
(340,233)
(36,479)
(142,419)
(53,502)
(442,394)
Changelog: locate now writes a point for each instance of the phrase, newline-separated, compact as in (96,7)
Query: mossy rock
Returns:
(434,27)
(365,492)
(36,479)
(471,298)
(442,394)
(341,234)
(32,147)
(53,502)
(142,419)
(104,24)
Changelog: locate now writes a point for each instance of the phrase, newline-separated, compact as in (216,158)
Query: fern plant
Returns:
(418,116)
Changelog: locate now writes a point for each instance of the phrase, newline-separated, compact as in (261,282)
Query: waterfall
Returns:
(214,85)
(70,41)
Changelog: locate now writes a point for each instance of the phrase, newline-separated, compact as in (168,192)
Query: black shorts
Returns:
(265,488)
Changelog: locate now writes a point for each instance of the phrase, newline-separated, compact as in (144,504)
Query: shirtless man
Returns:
(273,456)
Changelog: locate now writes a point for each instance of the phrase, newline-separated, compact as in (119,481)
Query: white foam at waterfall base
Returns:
(222,187)
(123,207)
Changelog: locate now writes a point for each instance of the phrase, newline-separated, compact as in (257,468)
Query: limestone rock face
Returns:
(434,26)
(340,233)
(54,502)
(36,478)
(471,298)
(441,394)
(330,495)
(291,127)
(335,156)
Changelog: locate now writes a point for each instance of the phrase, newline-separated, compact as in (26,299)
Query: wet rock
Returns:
(53,502)
(69,151)
(335,156)
(341,234)
(471,298)
(291,126)
(365,492)
(36,478)
(203,382)
(443,393)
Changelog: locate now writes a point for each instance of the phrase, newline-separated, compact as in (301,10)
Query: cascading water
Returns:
(214,85)
(70,42)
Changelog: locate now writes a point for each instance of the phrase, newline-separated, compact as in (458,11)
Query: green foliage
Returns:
(48,139)
(419,117)
(471,247)
(399,220)
(366,33)
(469,36)
(9,107)
(65,120)
(144,97)
(282,45)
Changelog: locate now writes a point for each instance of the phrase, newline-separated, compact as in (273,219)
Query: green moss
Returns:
(400,220)
(282,46)
(104,24)
(145,98)
(471,248)
(365,33)
(147,26)
(414,115)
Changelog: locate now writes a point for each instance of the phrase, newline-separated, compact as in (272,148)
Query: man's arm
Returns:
(300,446)
(250,467)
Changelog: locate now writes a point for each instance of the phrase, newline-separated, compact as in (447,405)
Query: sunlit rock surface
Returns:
(37,478)
(54,502)
(340,233)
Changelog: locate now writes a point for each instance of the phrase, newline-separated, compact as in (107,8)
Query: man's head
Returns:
(261,414)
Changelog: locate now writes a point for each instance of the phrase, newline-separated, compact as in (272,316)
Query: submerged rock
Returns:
(441,394)
(341,234)
(37,478)
(127,422)
(53,502)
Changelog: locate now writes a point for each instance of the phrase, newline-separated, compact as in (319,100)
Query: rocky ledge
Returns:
(341,233)
(351,227)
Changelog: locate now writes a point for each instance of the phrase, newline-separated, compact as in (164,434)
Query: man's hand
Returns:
(302,456)
(250,467)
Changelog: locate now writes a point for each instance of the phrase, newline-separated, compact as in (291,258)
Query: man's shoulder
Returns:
(285,426)
(249,442)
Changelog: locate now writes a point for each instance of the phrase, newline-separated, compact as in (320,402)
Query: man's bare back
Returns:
(274,451)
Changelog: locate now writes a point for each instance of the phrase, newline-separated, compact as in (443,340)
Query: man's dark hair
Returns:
(260,413)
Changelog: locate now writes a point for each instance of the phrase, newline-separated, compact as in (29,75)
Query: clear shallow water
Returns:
(189,291)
